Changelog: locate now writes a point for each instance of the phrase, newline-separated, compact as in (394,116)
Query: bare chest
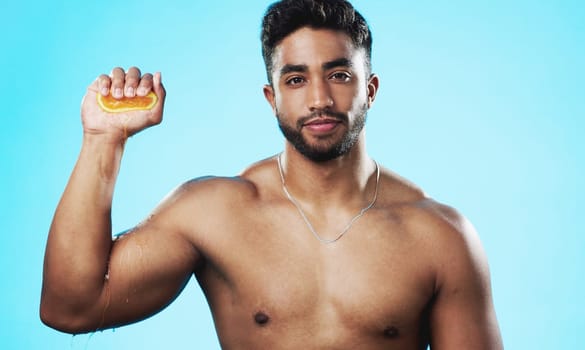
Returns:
(273,279)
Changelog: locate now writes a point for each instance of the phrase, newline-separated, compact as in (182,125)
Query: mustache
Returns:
(342,117)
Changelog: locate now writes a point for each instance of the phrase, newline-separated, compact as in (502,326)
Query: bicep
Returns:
(148,267)
(151,264)
(463,315)
(147,270)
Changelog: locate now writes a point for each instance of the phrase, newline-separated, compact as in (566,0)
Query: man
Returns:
(317,247)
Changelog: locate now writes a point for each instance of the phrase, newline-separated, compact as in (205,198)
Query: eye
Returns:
(341,76)
(293,81)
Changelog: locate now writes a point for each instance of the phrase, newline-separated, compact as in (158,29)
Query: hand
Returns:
(119,126)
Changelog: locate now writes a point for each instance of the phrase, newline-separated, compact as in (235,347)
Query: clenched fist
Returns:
(119,84)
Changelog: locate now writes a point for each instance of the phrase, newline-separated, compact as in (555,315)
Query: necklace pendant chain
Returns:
(306,219)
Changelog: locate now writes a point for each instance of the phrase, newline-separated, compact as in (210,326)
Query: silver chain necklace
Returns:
(309,225)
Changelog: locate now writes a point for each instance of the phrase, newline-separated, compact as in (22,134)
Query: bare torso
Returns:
(408,273)
(272,285)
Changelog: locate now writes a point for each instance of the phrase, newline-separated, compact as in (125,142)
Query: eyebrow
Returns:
(340,62)
(290,68)
(301,68)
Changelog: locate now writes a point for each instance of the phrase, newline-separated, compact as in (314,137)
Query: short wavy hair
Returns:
(286,16)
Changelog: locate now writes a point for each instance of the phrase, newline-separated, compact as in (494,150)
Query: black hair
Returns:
(286,16)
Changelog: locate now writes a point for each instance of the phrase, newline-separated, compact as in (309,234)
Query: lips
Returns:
(322,124)
(321,121)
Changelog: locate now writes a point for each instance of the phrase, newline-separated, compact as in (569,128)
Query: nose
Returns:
(319,95)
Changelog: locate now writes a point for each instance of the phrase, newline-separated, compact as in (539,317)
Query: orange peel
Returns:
(126,104)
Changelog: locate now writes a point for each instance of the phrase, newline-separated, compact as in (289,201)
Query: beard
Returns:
(326,149)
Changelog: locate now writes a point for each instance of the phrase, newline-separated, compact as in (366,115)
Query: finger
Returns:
(158,87)
(131,81)
(103,84)
(160,91)
(117,87)
(145,85)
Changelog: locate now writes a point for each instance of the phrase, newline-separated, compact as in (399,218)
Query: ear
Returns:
(269,95)
(373,84)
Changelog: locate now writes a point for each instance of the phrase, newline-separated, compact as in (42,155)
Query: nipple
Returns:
(391,332)
(261,319)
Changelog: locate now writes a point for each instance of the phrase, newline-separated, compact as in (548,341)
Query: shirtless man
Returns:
(318,247)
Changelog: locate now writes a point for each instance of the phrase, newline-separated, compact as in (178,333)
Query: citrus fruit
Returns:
(125,104)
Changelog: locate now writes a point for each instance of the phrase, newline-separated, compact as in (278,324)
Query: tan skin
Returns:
(410,272)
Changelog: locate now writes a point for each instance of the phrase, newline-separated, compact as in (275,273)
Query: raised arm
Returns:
(90,281)
(463,315)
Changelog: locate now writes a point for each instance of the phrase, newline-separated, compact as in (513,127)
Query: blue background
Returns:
(480,104)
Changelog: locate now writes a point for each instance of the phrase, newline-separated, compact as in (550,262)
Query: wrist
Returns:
(104,152)
(108,140)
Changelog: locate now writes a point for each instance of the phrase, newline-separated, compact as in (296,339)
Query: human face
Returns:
(320,92)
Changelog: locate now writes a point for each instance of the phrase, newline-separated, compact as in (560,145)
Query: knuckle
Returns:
(132,77)
(117,82)
(130,80)
(117,71)
(103,80)
(134,70)
(146,80)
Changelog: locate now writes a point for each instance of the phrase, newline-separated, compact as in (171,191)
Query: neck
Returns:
(347,180)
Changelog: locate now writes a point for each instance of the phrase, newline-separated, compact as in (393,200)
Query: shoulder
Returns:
(421,212)
(462,297)
(454,246)
(256,181)
(450,240)
(448,223)
(452,228)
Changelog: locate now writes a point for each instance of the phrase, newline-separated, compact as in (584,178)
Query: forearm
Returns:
(79,243)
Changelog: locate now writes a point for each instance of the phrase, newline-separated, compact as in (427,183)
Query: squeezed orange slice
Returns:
(125,104)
